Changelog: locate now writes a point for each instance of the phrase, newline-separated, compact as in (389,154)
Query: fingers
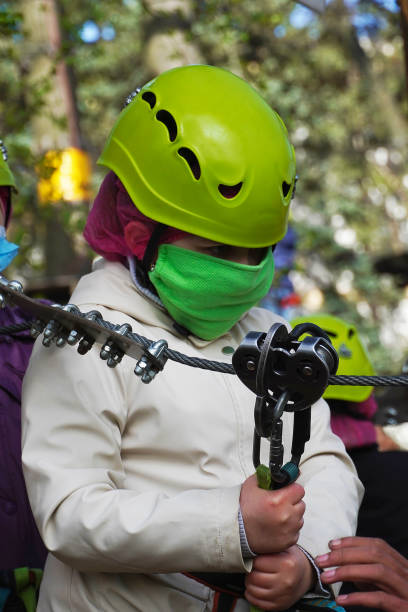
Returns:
(268,564)
(356,550)
(348,556)
(272,519)
(293,493)
(261,586)
(368,561)
(374,599)
(376,574)
(261,601)
(350,573)
(278,580)
(377,547)
(267,592)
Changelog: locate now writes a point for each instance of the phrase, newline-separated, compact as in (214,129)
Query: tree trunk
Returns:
(168,44)
(404,32)
(55,126)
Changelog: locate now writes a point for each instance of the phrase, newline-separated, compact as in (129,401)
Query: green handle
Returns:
(263,475)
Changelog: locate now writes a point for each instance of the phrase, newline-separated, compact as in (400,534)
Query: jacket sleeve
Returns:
(333,491)
(74,414)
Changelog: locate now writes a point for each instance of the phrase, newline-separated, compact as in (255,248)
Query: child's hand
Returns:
(272,519)
(375,567)
(279,580)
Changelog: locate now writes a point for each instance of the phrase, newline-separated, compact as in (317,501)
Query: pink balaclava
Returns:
(5,203)
(111,217)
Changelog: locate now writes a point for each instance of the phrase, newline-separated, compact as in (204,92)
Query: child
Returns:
(383,473)
(134,486)
(21,545)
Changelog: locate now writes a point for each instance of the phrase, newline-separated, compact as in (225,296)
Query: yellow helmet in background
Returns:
(6,175)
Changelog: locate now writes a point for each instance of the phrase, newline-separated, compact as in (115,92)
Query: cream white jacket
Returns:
(132,484)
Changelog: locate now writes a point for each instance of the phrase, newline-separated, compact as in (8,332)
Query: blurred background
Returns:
(335,70)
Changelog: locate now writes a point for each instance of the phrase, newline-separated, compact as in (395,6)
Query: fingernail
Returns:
(322,558)
(328,573)
(334,543)
(341,598)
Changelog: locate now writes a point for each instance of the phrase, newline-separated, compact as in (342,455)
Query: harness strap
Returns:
(224,602)
(228,588)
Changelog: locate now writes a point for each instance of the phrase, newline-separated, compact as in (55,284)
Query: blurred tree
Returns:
(57,126)
(167,36)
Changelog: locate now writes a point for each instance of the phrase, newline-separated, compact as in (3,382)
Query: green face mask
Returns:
(205,294)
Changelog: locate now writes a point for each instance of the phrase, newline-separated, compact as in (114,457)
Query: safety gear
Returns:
(6,176)
(8,250)
(199,149)
(6,180)
(353,357)
(205,294)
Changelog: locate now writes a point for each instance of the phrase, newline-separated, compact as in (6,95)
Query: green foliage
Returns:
(10,20)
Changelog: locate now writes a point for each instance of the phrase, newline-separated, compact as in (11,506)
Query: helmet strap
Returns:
(150,253)
(138,277)
(152,246)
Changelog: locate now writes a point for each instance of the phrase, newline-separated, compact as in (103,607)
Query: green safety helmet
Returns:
(6,176)
(197,148)
(6,179)
(353,357)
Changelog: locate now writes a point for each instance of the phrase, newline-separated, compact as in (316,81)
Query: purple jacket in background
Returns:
(356,428)
(21,544)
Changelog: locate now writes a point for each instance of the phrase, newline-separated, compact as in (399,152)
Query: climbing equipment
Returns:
(286,375)
(68,325)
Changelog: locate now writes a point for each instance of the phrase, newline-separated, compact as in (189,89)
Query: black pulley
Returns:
(301,367)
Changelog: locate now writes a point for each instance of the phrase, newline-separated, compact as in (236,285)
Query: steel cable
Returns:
(226,368)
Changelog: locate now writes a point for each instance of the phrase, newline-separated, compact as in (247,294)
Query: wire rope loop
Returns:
(280,406)
(15,328)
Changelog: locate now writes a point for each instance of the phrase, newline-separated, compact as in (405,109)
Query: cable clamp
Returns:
(152,362)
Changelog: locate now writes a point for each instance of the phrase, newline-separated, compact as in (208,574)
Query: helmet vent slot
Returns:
(285,188)
(150,98)
(169,121)
(230,191)
(192,161)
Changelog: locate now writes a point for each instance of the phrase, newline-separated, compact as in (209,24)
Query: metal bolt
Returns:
(16,286)
(251,365)
(307,370)
(73,337)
